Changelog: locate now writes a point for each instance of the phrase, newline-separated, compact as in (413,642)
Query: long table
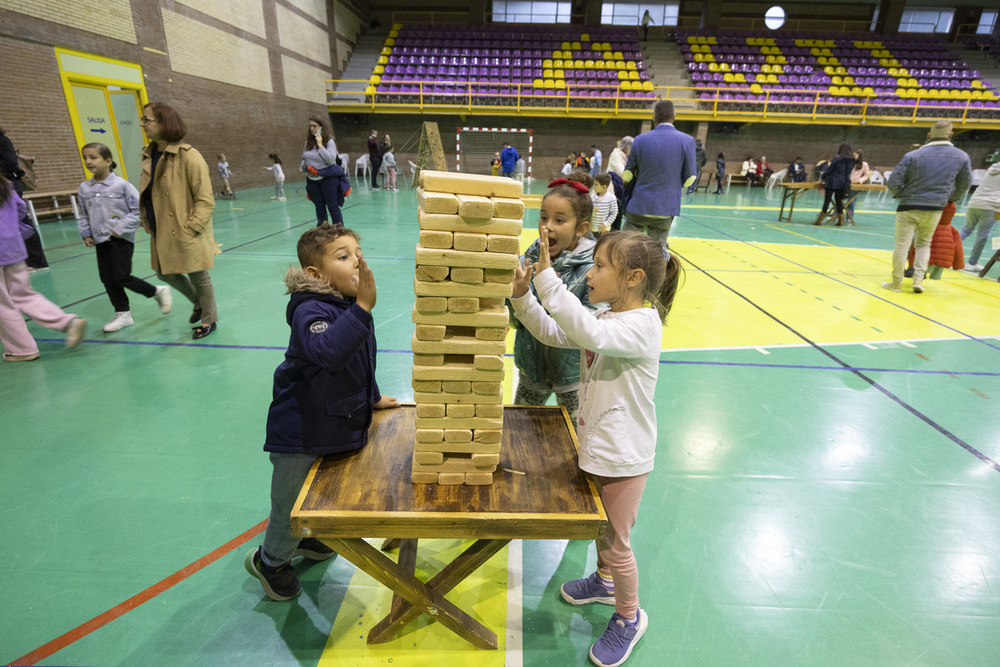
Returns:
(538,492)
(792,191)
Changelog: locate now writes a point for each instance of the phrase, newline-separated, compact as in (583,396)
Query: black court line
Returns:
(819,348)
(846,284)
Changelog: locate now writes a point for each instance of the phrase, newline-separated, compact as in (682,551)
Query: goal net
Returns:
(476,146)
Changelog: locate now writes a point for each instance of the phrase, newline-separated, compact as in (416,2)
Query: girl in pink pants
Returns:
(616,420)
(16,295)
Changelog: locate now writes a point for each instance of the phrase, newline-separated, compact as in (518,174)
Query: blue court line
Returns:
(864,291)
(666,362)
(875,385)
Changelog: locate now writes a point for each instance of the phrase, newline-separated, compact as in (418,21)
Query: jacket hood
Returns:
(304,287)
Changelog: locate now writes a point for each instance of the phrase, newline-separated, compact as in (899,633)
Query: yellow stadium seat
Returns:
(709,58)
(566,46)
(976,83)
(622,74)
(585,37)
(560,84)
(724,67)
(537,83)
(547,62)
(389,41)
(577,46)
(549,84)
(383,60)
(589,64)
(868,90)
(712,40)
(740,77)
(547,73)
(856,91)
(379,69)
(608,55)
(630,64)
(837,80)
(756,88)
(386,51)
(829,71)
(778,69)
(647,85)
(626,85)
(619,55)
(560,74)
(849,80)
(370,90)
(633,75)
(557,63)
(765,68)
(713,67)
(692,39)
(578,64)
(374,79)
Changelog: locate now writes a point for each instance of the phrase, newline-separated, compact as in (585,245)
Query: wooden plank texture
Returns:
(479,260)
(488,317)
(455,223)
(470,184)
(451,288)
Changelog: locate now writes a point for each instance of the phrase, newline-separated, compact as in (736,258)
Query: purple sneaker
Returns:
(585,591)
(617,642)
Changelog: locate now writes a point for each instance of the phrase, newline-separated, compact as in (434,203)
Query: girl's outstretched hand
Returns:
(544,260)
(366,285)
(522,278)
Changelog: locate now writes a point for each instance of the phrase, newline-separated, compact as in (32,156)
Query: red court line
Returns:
(100,621)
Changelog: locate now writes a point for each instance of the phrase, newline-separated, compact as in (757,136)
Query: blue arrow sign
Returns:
(100,131)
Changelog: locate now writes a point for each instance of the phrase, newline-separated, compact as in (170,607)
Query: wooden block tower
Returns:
(470,228)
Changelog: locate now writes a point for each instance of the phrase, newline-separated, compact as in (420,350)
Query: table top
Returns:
(54,193)
(369,493)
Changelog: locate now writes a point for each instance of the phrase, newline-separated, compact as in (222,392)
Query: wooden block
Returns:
(428,397)
(490,411)
(427,386)
(488,362)
(430,410)
(506,225)
(498,243)
(430,332)
(477,289)
(423,477)
(430,435)
(432,304)
(470,184)
(494,303)
(499,275)
(432,273)
(451,463)
(437,202)
(472,207)
(433,239)
(478,478)
(433,458)
(453,387)
(458,435)
(485,388)
(491,333)
(489,317)
(470,423)
(458,447)
(455,371)
(468,275)
(462,304)
(465,241)
(451,478)
(460,410)
(487,437)
(428,360)
(504,207)
(483,460)
(479,260)
(460,345)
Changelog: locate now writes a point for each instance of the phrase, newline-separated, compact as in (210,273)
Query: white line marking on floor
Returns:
(514,656)
(762,350)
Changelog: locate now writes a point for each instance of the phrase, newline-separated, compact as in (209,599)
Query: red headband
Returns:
(577,185)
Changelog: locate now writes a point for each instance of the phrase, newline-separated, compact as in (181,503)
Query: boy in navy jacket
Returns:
(324,390)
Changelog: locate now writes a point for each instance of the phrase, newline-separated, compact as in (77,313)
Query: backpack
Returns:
(27,166)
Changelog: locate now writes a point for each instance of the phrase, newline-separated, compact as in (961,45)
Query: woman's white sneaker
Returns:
(164,298)
(120,321)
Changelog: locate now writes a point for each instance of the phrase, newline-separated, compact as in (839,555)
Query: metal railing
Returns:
(476,96)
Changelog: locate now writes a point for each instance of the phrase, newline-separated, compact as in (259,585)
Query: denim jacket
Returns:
(931,176)
(108,207)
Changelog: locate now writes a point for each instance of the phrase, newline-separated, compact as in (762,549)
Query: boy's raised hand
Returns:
(366,285)
(522,278)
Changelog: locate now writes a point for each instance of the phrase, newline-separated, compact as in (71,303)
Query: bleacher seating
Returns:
(499,65)
(838,74)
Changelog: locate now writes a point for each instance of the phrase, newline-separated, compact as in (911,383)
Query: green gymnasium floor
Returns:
(827,489)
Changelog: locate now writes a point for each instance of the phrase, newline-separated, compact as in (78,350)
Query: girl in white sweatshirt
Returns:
(616,422)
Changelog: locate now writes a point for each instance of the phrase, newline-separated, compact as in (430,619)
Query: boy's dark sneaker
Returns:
(280,583)
(313,549)
(617,642)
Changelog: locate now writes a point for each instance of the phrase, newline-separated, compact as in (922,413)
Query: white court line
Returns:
(762,350)
(866,343)
(514,656)
(869,346)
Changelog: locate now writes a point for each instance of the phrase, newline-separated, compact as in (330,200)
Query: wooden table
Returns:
(538,493)
(792,191)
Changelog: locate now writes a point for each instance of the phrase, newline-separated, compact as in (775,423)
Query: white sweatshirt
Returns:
(619,362)
(987,195)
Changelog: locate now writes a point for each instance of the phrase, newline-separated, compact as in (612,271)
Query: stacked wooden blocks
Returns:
(470,228)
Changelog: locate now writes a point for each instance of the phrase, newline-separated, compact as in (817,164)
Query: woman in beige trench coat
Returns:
(176,205)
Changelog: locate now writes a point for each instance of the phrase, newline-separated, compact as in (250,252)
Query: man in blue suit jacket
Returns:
(662,164)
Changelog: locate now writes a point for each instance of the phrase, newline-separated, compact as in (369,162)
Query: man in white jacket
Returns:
(981,215)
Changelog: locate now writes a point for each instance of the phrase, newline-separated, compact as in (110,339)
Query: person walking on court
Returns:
(924,181)
(982,213)
(11,170)
(661,164)
(508,160)
(595,161)
(374,157)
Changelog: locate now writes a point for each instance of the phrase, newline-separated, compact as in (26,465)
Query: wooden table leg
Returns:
(407,562)
(422,596)
(450,576)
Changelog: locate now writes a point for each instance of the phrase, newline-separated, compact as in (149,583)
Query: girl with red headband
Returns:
(544,370)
